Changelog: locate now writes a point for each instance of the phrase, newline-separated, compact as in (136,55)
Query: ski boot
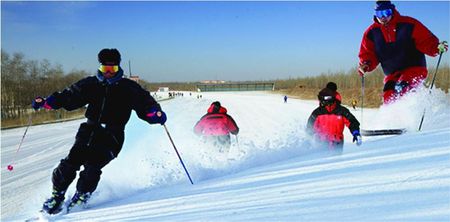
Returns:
(79,200)
(54,204)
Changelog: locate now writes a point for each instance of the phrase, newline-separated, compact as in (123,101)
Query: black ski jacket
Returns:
(108,104)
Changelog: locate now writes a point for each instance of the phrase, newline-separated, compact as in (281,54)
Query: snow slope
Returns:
(270,174)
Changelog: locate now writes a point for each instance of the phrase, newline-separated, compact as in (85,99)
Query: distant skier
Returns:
(285,99)
(110,98)
(354,103)
(215,127)
(326,123)
(399,43)
(333,87)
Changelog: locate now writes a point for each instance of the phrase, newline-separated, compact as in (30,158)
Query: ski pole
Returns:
(362,98)
(10,166)
(431,87)
(179,157)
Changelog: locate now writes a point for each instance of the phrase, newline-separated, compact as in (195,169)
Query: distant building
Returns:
(213,81)
(163,89)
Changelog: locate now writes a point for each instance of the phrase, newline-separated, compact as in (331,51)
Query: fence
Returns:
(266,86)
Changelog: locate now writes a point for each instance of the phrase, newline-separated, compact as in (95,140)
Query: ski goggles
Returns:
(110,69)
(383,13)
(327,100)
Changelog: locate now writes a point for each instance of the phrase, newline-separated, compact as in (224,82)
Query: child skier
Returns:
(326,123)
(110,100)
(215,127)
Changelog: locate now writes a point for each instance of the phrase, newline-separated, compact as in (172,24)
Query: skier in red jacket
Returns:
(326,123)
(399,43)
(215,127)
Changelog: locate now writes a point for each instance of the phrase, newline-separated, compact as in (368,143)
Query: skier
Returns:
(399,44)
(215,127)
(285,99)
(333,87)
(354,103)
(326,123)
(110,98)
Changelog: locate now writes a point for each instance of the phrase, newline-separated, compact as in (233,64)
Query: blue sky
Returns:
(191,41)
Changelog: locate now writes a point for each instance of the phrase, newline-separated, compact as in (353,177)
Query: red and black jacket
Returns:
(398,45)
(216,123)
(329,126)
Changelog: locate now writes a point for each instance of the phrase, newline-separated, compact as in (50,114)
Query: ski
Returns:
(382,132)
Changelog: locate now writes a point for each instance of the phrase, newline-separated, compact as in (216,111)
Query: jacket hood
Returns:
(213,109)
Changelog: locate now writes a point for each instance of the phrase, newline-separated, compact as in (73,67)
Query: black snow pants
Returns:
(95,146)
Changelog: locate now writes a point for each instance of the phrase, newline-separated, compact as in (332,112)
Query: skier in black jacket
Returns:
(109,98)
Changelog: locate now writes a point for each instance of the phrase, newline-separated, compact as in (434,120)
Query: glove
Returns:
(156,116)
(357,137)
(443,47)
(363,68)
(38,103)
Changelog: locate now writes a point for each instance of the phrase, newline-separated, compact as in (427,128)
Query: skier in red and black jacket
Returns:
(326,123)
(399,43)
(215,127)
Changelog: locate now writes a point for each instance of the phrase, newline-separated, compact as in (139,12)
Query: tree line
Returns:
(22,80)
(349,84)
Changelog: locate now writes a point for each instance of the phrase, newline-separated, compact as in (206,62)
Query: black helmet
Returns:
(109,57)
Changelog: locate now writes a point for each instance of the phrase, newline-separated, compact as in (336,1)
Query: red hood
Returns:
(222,109)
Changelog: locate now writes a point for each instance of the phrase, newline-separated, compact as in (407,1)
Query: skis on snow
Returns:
(382,132)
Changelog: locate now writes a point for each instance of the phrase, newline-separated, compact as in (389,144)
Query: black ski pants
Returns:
(95,146)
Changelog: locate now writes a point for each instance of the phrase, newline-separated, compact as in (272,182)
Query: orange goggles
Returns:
(110,69)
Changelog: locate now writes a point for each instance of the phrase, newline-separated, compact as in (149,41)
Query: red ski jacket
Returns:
(216,124)
(400,45)
(329,126)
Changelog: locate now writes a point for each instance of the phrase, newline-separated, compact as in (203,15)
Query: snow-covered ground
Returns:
(270,174)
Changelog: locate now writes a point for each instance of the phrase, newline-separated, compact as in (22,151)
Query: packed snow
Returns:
(271,173)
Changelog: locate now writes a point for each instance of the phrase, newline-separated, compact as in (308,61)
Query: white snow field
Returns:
(270,174)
